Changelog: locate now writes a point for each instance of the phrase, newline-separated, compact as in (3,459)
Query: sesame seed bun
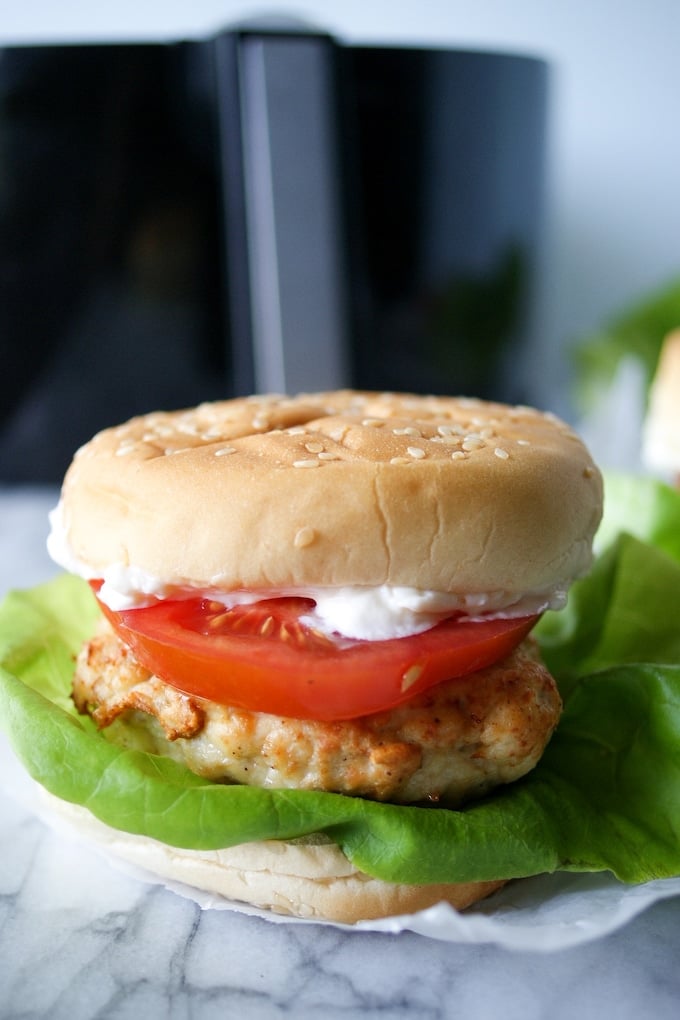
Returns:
(661,441)
(340,488)
(311,879)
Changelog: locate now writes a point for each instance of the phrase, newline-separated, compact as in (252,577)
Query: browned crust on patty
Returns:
(456,741)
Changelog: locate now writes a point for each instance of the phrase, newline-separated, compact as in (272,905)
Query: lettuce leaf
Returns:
(641,506)
(605,796)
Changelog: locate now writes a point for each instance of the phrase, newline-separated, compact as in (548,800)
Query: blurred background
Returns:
(200,200)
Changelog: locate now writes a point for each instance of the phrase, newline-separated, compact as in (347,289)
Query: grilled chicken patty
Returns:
(456,741)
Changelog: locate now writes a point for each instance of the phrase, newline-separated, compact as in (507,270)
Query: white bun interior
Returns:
(339,488)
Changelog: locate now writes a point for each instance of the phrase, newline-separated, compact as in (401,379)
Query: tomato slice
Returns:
(262,658)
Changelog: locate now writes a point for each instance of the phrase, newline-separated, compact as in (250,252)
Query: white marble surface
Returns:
(80,939)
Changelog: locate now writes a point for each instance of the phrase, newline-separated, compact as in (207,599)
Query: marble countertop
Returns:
(81,939)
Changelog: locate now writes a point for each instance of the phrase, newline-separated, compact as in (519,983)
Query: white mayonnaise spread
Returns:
(361,612)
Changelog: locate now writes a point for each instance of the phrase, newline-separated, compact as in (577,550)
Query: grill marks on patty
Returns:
(456,741)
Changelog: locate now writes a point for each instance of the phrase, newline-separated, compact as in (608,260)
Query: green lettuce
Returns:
(605,796)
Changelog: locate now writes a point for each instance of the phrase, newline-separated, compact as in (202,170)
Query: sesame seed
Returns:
(375,423)
(314,447)
(304,537)
(500,452)
(328,455)
(523,442)
(415,451)
(401,460)
(412,674)
(458,455)
(124,449)
(306,463)
(409,431)
(473,442)
(224,451)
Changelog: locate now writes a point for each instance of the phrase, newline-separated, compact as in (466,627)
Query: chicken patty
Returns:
(454,742)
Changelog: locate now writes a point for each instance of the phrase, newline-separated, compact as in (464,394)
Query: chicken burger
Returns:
(332,592)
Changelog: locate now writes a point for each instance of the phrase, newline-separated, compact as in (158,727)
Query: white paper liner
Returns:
(543,914)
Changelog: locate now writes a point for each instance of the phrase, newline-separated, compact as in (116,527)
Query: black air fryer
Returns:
(259,211)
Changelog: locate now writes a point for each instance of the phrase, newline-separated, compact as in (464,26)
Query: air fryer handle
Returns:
(283,220)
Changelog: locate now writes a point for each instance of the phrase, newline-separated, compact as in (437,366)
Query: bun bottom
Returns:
(306,878)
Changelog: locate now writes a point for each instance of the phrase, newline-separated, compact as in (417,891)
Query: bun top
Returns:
(661,439)
(338,488)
